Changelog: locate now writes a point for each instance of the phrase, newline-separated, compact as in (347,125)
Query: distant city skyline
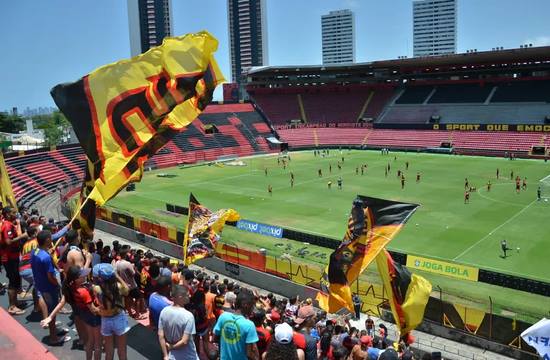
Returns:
(61,41)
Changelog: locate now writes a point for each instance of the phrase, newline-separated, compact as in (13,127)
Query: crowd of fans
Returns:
(194,314)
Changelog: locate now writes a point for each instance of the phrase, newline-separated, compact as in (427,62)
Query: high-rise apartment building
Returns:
(434,27)
(247,37)
(150,21)
(338,32)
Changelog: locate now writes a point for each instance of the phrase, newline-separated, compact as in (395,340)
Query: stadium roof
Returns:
(541,53)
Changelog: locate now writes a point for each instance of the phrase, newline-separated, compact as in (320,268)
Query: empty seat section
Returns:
(460,93)
(334,106)
(279,108)
(414,95)
(522,91)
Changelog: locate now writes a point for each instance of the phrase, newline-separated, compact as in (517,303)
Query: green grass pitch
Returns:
(442,228)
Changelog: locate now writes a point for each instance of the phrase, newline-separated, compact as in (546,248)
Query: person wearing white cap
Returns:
(283,347)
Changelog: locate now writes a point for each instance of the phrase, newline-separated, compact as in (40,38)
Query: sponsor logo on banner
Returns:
(259,228)
(442,267)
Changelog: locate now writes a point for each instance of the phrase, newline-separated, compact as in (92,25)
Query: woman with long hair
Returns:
(79,296)
(197,307)
(110,290)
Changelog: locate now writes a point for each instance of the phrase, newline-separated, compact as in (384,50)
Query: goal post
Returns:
(544,186)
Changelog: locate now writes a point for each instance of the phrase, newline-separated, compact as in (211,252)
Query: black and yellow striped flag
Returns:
(124,112)
(7,198)
(372,224)
(203,230)
(408,293)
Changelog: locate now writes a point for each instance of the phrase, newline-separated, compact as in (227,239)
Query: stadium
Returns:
(444,119)
(446,157)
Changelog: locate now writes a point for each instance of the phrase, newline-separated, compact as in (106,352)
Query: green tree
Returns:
(11,123)
(53,125)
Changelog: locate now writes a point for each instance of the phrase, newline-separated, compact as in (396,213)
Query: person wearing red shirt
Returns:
(264,336)
(11,237)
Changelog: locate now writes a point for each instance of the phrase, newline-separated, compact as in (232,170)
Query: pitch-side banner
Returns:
(124,112)
(372,224)
(203,230)
(538,336)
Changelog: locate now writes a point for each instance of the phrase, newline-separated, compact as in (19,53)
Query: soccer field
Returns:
(442,228)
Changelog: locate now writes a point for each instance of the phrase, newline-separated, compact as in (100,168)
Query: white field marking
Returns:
(495,200)
(495,229)
(547,177)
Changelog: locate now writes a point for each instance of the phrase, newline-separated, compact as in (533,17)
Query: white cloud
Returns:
(539,41)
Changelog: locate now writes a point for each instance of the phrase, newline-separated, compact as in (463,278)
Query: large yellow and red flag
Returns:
(408,293)
(203,230)
(372,224)
(124,112)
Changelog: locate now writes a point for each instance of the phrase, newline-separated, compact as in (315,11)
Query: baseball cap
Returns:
(283,333)
(366,340)
(304,313)
(103,271)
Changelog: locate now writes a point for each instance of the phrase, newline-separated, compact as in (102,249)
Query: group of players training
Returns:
(283,162)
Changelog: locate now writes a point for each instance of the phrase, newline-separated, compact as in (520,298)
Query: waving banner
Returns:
(538,336)
(7,198)
(203,230)
(124,112)
(372,224)
(408,293)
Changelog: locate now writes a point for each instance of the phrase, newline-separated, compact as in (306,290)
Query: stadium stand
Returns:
(242,132)
(334,104)
(524,91)
(462,141)
(278,106)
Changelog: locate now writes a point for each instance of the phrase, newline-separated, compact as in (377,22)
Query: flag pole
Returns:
(73,218)
(186,235)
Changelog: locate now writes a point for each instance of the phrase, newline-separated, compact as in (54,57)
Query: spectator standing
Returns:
(369,326)
(357,305)
(198,309)
(177,327)
(110,291)
(264,336)
(9,253)
(45,281)
(25,269)
(305,321)
(135,304)
(283,348)
(237,335)
(159,300)
(79,296)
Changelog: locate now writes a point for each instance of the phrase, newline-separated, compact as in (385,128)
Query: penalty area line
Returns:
(492,231)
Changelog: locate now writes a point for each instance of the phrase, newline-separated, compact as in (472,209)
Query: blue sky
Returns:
(45,42)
